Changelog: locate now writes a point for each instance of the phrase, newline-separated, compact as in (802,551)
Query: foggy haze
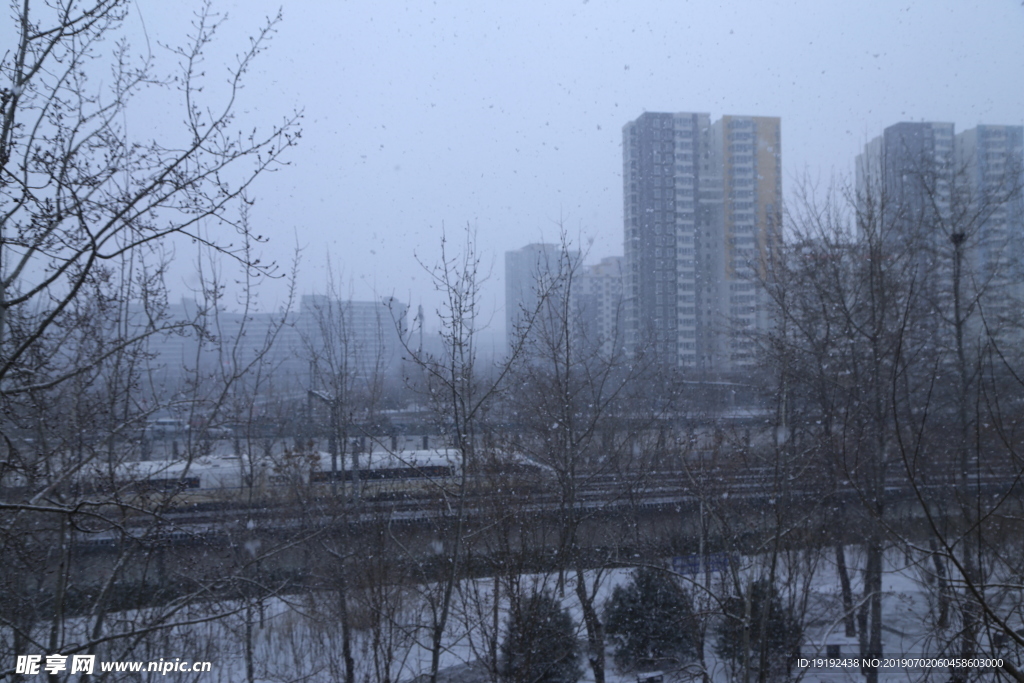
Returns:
(508,116)
(744,446)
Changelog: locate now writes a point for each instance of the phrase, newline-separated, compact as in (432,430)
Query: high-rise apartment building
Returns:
(904,178)
(936,192)
(702,216)
(534,273)
(992,161)
(597,302)
(362,339)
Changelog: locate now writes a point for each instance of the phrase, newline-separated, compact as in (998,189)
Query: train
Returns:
(233,480)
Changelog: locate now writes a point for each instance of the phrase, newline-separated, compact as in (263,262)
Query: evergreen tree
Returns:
(541,645)
(777,633)
(651,622)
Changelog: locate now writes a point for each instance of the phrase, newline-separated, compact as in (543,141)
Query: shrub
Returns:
(541,645)
(780,636)
(651,622)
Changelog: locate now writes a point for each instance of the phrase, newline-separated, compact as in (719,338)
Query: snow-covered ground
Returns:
(298,637)
(908,608)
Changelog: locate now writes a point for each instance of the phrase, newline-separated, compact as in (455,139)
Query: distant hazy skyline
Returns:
(508,116)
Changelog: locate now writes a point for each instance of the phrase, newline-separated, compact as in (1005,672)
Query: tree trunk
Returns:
(844,583)
(871,612)
(250,670)
(595,629)
(346,628)
(942,585)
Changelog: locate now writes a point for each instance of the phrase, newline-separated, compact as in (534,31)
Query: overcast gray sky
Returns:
(508,115)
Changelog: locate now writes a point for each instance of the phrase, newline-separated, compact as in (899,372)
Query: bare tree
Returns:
(570,391)
(460,394)
(894,302)
(88,214)
(346,379)
(845,292)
